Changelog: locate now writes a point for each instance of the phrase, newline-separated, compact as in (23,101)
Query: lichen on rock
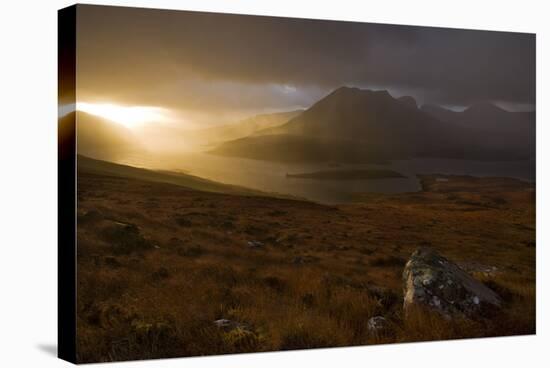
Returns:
(432,281)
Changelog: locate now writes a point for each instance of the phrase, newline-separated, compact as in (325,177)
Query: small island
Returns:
(347,175)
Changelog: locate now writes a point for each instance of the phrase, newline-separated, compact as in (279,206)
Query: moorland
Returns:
(162,257)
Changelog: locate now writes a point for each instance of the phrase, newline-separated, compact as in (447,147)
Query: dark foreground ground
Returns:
(158,263)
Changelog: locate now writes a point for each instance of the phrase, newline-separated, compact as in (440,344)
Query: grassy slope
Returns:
(322,273)
(92,166)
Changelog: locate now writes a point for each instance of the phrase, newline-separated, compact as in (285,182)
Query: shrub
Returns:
(275,283)
(241,340)
(190,251)
(183,221)
(161,274)
(125,238)
(388,261)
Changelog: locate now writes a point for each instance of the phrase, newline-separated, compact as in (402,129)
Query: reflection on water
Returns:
(271,176)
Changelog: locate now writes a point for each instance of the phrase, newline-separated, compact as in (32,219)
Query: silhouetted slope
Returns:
(299,148)
(103,139)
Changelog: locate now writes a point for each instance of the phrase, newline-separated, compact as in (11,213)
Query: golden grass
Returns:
(320,275)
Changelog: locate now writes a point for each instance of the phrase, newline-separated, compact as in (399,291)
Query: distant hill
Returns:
(244,128)
(103,139)
(357,125)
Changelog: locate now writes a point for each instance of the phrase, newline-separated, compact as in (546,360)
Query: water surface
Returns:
(271,176)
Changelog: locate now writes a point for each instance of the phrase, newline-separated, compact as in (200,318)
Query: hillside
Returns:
(91,166)
(104,139)
(158,264)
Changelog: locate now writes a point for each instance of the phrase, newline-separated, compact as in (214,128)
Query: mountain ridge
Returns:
(374,123)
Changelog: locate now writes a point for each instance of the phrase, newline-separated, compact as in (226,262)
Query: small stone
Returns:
(376,324)
(255,244)
(223,323)
(228,325)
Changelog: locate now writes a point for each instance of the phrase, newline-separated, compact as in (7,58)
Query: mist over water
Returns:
(271,176)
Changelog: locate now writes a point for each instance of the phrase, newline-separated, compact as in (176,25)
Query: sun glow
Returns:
(129,116)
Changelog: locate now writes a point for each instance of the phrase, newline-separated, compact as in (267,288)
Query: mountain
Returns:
(348,125)
(104,139)
(354,125)
(484,116)
(372,117)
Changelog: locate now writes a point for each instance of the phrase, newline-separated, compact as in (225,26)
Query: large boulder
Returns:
(431,280)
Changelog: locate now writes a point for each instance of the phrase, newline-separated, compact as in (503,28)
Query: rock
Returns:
(433,281)
(255,244)
(376,324)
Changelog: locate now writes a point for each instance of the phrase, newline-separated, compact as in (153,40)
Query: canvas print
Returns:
(248,183)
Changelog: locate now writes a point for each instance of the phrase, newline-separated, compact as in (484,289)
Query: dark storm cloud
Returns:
(162,56)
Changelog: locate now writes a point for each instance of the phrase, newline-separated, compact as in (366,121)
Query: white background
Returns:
(28,192)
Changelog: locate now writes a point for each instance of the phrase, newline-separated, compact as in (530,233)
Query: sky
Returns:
(207,68)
